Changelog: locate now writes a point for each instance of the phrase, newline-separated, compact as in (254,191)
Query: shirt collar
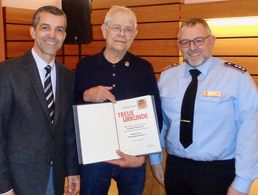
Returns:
(40,62)
(125,62)
(204,68)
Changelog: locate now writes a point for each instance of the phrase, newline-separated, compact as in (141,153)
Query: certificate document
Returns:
(128,125)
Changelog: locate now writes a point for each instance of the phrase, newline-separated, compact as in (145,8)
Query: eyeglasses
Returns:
(116,28)
(198,41)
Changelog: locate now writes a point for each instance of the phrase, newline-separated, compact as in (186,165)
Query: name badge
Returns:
(212,93)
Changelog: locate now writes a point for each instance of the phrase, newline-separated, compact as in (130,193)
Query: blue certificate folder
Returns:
(128,125)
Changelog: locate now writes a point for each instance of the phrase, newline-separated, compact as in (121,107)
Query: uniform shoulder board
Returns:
(171,66)
(235,66)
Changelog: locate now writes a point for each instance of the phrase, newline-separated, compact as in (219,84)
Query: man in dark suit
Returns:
(37,144)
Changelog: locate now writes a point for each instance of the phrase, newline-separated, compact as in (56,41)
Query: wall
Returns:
(200,1)
(2,47)
(30,4)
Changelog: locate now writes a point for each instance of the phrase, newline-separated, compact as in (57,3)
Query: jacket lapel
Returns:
(59,95)
(31,71)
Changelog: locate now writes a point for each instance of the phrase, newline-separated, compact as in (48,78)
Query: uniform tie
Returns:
(48,90)
(187,110)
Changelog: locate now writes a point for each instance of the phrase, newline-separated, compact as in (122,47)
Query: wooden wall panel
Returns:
(16,28)
(71,61)
(160,30)
(97,33)
(144,14)
(2,46)
(139,47)
(157,13)
(157,75)
(223,9)
(16,32)
(92,48)
(60,59)
(161,63)
(14,49)
(18,15)
(234,30)
(256,81)
(100,4)
(155,48)
(236,47)
(71,49)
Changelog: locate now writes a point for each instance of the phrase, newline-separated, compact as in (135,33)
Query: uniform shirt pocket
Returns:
(214,105)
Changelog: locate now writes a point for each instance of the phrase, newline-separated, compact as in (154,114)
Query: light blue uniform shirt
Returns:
(225,117)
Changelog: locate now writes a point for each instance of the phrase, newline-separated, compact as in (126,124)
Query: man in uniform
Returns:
(115,74)
(210,120)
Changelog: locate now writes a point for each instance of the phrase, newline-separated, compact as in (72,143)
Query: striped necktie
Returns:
(187,110)
(48,90)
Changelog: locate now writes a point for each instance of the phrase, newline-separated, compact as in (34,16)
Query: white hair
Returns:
(119,9)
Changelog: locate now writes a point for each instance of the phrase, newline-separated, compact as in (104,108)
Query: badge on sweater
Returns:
(127,63)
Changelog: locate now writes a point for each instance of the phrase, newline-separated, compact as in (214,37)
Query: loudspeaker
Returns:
(79,28)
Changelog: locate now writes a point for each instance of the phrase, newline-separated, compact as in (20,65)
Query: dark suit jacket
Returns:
(28,140)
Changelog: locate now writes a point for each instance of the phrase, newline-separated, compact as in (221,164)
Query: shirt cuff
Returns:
(7,192)
(241,185)
(155,158)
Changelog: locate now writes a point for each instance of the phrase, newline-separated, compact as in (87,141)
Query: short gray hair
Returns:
(47,9)
(192,22)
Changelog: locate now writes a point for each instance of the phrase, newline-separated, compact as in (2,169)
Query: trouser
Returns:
(50,185)
(96,179)
(190,177)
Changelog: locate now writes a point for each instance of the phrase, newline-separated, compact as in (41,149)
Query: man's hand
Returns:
(128,161)
(232,191)
(73,185)
(98,94)
(158,173)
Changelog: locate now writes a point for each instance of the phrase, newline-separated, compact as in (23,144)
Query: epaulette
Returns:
(171,66)
(235,66)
